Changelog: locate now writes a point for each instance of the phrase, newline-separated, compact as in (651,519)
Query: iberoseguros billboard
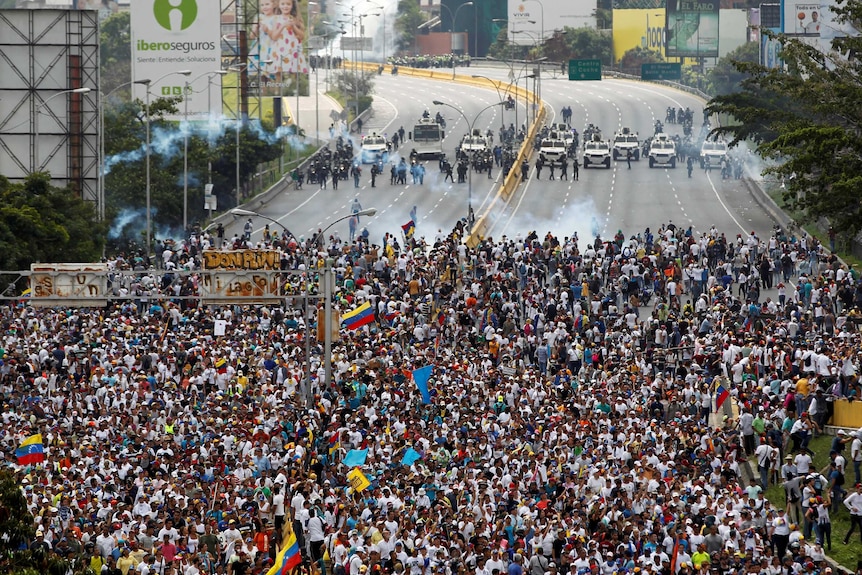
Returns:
(171,36)
(633,28)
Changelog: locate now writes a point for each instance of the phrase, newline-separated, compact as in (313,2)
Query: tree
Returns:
(115,51)
(41,223)
(125,155)
(725,78)
(503,49)
(631,61)
(806,119)
(579,43)
(409,18)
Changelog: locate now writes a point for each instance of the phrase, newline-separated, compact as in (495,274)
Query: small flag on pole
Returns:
(721,396)
(356,318)
(421,377)
(288,558)
(409,229)
(31,450)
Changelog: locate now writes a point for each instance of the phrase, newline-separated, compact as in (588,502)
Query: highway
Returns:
(619,198)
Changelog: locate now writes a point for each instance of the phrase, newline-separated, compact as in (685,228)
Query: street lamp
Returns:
(36,161)
(499,95)
(328,288)
(382,13)
(102,102)
(469,172)
(252,214)
(147,83)
(187,91)
(454,18)
(238,69)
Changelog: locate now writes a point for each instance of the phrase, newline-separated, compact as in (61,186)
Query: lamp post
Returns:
(537,44)
(469,172)
(252,214)
(147,83)
(454,18)
(499,95)
(238,69)
(36,160)
(353,58)
(382,13)
(362,37)
(186,92)
(328,289)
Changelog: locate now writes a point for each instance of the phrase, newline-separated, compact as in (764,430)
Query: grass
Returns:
(846,555)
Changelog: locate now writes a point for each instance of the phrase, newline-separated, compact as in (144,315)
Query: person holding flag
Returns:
(31,450)
(287,557)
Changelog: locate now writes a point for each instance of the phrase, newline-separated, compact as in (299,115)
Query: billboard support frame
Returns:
(51,66)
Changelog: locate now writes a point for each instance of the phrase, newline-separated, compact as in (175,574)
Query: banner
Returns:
(692,28)
(169,36)
(633,28)
(277,46)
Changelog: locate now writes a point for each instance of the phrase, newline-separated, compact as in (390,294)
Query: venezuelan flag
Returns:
(409,229)
(288,558)
(31,450)
(356,318)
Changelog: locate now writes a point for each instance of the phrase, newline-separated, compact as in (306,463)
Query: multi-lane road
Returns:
(619,198)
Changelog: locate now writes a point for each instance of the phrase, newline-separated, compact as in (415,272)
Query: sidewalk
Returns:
(315,113)
(380,117)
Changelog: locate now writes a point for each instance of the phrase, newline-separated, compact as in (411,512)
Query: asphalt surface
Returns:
(615,199)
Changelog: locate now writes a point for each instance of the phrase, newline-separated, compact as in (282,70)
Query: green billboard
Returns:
(661,71)
(585,69)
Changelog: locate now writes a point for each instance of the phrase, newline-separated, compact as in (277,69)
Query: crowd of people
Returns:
(430,61)
(570,425)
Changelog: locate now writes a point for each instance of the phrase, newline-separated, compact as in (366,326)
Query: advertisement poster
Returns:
(169,36)
(692,28)
(633,28)
(533,20)
(278,43)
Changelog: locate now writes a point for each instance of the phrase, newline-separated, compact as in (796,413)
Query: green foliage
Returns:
(351,85)
(806,119)
(582,43)
(631,61)
(502,49)
(41,223)
(409,18)
(725,77)
(125,182)
(16,523)
(115,51)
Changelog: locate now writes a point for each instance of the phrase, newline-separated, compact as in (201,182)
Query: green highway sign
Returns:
(661,71)
(585,69)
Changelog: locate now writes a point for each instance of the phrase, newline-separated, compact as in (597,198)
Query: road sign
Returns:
(661,71)
(585,69)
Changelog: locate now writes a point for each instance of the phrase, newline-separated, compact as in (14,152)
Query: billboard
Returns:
(633,28)
(532,20)
(278,39)
(800,18)
(43,126)
(692,28)
(173,35)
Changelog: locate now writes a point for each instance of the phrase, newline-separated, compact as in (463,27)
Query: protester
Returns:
(569,424)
